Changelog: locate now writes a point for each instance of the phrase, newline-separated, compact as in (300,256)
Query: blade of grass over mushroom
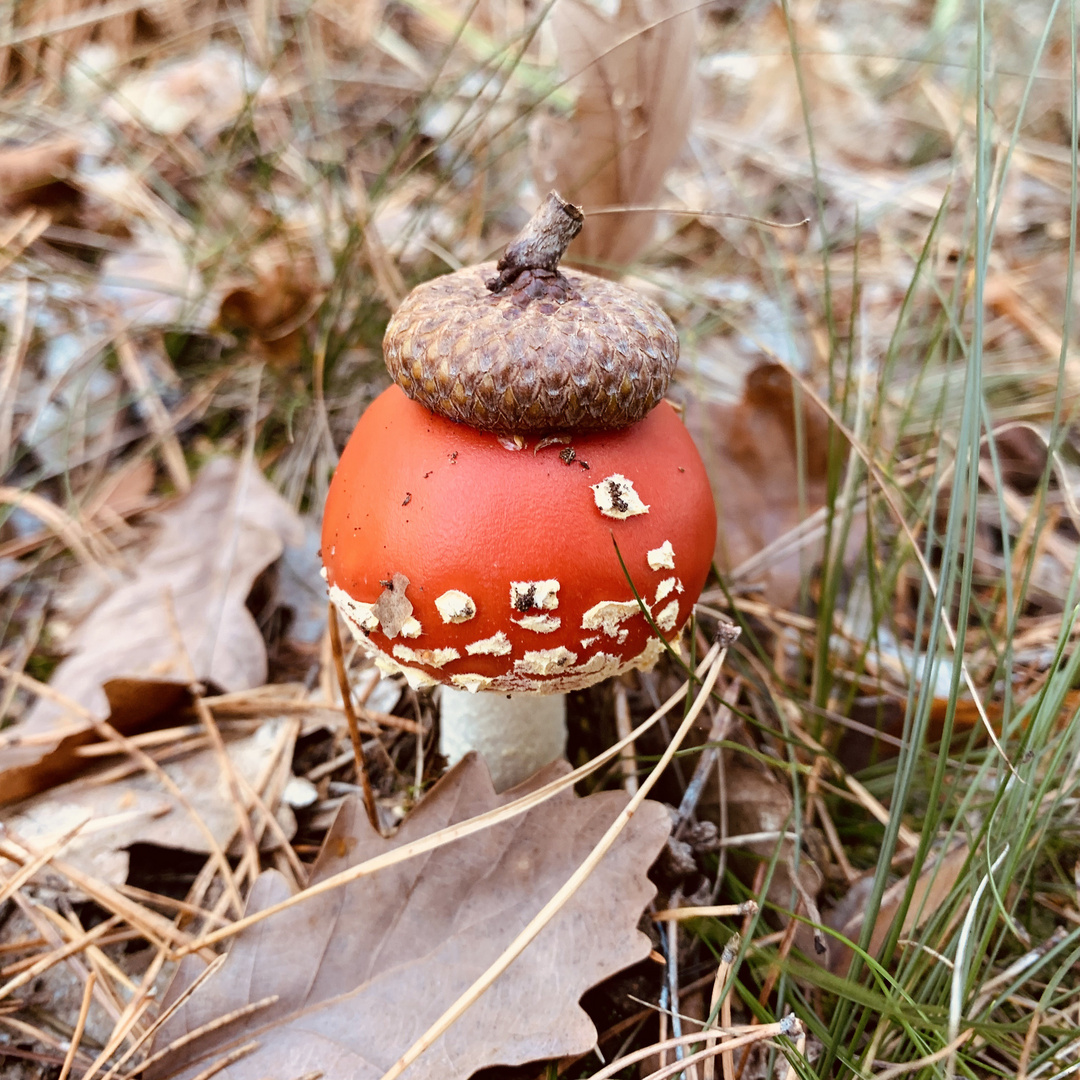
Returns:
(680,663)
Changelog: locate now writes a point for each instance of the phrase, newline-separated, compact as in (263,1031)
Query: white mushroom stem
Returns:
(516,734)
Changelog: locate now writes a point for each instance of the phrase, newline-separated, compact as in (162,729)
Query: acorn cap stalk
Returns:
(541,243)
(532,349)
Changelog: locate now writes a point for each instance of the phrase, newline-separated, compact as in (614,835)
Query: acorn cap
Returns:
(522,347)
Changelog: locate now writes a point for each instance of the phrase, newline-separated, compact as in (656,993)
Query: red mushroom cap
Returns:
(462,561)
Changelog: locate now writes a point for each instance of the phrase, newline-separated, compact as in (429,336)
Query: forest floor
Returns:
(862,220)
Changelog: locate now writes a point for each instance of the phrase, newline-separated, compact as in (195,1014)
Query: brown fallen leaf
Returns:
(633,73)
(125,659)
(363,970)
(932,886)
(139,809)
(37,175)
(154,283)
(849,118)
(1022,455)
(127,489)
(200,94)
(751,455)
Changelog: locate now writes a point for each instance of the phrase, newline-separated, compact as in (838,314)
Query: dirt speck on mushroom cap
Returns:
(494,518)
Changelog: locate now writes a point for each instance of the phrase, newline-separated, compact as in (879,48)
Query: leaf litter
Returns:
(360,972)
(179,613)
(892,137)
(765,483)
(633,74)
(112,810)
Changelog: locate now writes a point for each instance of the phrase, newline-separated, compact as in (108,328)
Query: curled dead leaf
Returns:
(274,307)
(633,73)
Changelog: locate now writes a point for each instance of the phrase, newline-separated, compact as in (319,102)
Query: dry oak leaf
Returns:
(155,283)
(634,76)
(936,880)
(200,95)
(363,970)
(126,663)
(275,301)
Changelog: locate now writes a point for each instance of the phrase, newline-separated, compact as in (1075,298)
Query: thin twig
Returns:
(225,1061)
(786,1026)
(669,938)
(55,957)
(157,416)
(214,965)
(720,1007)
(32,866)
(80,1025)
(924,1062)
(791,1073)
(350,716)
(106,731)
(714,911)
(717,733)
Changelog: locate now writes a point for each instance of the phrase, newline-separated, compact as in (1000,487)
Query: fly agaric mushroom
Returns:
(472,536)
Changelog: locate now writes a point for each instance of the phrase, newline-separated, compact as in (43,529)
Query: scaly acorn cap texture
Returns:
(522,347)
